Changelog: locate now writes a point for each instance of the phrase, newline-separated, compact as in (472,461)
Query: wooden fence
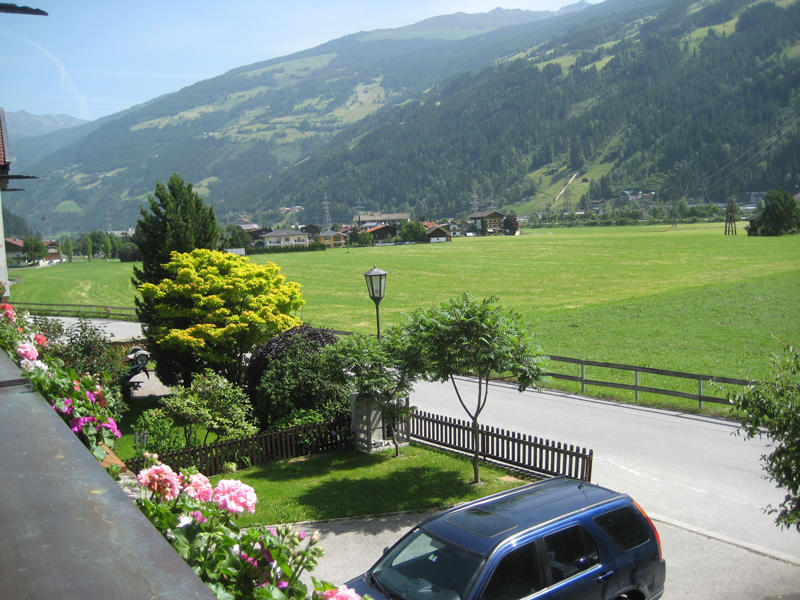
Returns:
(90,311)
(637,388)
(507,448)
(261,448)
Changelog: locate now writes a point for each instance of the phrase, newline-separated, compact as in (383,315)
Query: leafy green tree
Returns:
(107,246)
(129,252)
(232,236)
(88,245)
(510,224)
(382,371)
(476,338)
(362,238)
(178,221)
(780,214)
(412,231)
(33,248)
(211,403)
(771,409)
(212,308)
(66,245)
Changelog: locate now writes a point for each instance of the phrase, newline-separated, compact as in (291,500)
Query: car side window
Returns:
(516,576)
(625,526)
(569,552)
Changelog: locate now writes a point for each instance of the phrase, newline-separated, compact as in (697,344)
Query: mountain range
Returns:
(686,98)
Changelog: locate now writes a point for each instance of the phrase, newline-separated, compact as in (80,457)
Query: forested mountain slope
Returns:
(230,133)
(686,98)
(698,102)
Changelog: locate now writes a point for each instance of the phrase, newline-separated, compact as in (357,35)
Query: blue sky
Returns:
(89,59)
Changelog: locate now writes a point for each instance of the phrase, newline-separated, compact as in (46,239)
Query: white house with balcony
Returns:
(285,237)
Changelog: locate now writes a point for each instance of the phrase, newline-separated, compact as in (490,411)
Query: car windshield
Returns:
(421,567)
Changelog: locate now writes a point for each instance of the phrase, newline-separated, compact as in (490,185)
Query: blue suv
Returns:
(554,539)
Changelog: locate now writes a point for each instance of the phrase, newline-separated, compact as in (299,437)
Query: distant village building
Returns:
(15,255)
(382,233)
(53,252)
(437,234)
(372,219)
(492,218)
(332,239)
(254,230)
(122,233)
(285,237)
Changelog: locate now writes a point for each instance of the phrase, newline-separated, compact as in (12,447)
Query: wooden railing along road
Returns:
(90,311)
(699,379)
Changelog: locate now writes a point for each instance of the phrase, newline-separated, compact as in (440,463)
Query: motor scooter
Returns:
(136,360)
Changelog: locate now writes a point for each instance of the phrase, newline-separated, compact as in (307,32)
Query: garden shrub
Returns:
(84,348)
(284,376)
(212,403)
(162,434)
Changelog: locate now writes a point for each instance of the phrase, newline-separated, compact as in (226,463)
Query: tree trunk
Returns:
(476,439)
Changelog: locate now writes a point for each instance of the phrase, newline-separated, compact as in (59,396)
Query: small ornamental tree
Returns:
(477,338)
(211,309)
(772,409)
(382,371)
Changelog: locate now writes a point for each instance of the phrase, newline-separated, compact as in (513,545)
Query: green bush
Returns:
(211,403)
(162,434)
(84,348)
(287,376)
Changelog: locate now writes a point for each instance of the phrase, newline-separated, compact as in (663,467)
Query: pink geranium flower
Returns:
(341,593)
(162,480)
(40,340)
(27,351)
(234,496)
(67,406)
(8,312)
(198,516)
(78,423)
(111,425)
(199,487)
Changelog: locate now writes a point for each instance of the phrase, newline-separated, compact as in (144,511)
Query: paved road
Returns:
(115,330)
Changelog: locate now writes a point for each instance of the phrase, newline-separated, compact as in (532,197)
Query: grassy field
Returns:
(686,298)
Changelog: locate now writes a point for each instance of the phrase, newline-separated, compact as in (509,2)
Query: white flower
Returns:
(30,365)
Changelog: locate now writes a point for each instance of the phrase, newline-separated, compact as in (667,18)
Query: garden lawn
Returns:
(100,282)
(352,484)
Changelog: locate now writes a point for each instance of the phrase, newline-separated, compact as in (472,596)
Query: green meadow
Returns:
(686,298)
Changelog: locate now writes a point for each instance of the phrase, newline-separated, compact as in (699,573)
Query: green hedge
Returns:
(312,247)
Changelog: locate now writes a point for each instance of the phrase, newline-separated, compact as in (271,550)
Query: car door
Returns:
(516,574)
(575,568)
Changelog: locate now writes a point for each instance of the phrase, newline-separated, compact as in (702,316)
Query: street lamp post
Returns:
(376,286)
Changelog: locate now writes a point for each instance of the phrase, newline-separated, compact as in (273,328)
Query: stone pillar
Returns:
(367,425)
